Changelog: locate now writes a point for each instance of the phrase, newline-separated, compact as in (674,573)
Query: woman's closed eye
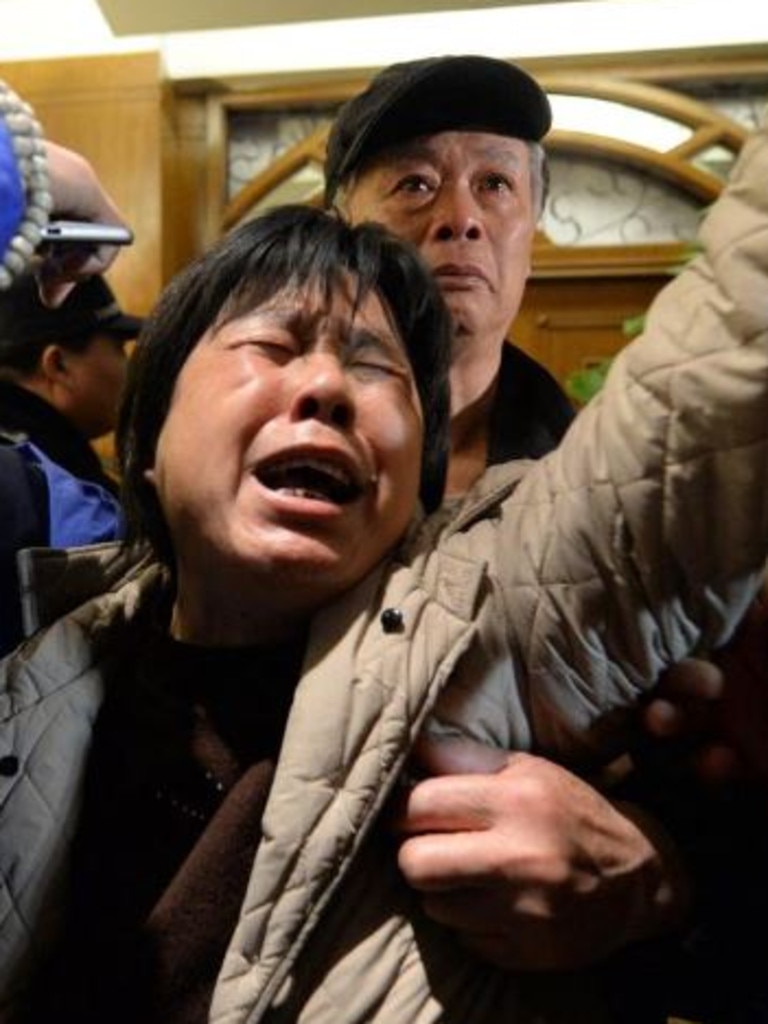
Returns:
(371,367)
(370,357)
(278,348)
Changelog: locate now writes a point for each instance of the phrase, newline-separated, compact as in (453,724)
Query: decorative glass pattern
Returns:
(598,202)
(742,102)
(258,137)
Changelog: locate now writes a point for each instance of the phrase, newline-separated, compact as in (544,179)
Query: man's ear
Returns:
(54,364)
(150,476)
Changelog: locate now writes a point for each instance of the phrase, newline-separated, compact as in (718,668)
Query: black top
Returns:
(24,497)
(531,412)
(178,777)
(25,416)
(23,524)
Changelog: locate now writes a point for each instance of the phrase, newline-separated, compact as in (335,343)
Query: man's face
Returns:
(289,462)
(464,198)
(95,381)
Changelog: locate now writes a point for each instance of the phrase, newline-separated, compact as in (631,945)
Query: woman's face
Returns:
(289,462)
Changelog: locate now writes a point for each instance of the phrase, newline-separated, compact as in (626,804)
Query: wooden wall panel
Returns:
(570,324)
(184,181)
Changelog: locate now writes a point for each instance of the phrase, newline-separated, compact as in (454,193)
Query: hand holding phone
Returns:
(70,251)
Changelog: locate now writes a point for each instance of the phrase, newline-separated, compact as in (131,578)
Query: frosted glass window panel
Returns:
(257,138)
(742,102)
(717,160)
(597,202)
(301,187)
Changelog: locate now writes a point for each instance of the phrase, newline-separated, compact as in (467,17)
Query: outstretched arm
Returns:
(658,529)
(646,532)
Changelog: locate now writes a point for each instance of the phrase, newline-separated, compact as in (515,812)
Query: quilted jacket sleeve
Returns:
(643,538)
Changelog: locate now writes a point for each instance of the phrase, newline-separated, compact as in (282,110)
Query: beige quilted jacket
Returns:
(530,617)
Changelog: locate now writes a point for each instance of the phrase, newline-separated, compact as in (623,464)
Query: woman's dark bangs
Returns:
(310,257)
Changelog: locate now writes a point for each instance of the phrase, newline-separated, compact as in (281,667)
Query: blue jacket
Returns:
(44,505)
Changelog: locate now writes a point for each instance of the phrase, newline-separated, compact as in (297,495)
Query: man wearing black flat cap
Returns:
(446,153)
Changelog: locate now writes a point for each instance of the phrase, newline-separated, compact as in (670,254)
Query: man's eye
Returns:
(497,183)
(413,183)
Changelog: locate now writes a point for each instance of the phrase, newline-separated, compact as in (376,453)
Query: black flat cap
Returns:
(90,308)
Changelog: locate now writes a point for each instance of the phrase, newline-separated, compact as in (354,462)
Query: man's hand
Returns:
(713,716)
(77,195)
(744,663)
(684,722)
(532,867)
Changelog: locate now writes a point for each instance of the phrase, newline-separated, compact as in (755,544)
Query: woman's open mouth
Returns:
(315,477)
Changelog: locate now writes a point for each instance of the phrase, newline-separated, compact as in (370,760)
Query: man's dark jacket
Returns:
(24,493)
(25,416)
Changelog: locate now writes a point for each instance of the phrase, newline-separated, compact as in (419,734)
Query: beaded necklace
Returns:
(27,198)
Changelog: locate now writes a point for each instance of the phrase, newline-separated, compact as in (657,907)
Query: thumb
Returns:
(53,293)
(53,282)
(456,755)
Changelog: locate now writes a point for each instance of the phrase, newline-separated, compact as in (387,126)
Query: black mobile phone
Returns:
(83,232)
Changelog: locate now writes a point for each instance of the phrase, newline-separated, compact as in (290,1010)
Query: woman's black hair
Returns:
(290,246)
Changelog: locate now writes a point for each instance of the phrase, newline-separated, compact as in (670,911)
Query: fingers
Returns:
(692,750)
(719,764)
(457,756)
(449,860)
(79,195)
(687,700)
(664,719)
(448,804)
(456,796)
(59,270)
(692,679)
(531,867)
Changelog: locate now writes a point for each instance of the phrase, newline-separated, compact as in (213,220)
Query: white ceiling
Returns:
(134,17)
(345,35)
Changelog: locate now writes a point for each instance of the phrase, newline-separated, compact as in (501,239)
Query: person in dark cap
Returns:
(62,371)
(62,374)
(446,152)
